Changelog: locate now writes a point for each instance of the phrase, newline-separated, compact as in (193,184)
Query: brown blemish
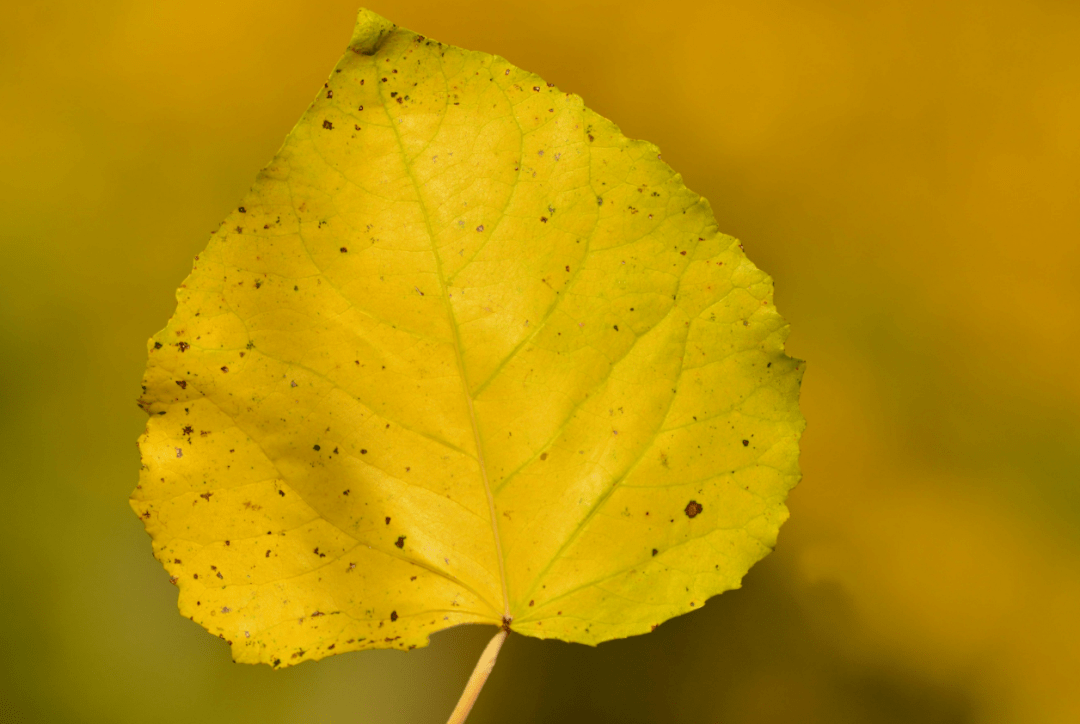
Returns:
(693,508)
(393,615)
(327,125)
(745,443)
(400,542)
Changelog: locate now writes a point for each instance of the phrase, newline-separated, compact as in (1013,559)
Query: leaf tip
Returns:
(370,33)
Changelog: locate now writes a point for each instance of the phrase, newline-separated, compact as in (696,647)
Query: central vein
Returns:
(460,359)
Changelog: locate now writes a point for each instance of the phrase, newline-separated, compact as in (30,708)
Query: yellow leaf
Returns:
(464,354)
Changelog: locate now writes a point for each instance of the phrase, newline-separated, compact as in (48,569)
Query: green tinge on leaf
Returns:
(464,352)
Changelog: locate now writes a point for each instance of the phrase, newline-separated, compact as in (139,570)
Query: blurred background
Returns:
(908,172)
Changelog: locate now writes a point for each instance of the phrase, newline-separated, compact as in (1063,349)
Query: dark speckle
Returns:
(316,448)
(745,443)
(693,508)
(328,125)
(654,551)
(393,615)
(388,520)
(400,542)
(344,250)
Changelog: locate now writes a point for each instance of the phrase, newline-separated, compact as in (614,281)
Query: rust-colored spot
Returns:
(745,443)
(188,429)
(388,520)
(224,368)
(393,615)
(328,125)
(344,250)
(531,602)
(182,384)
(400,542)
(693,508)
(182,346)
(654,551)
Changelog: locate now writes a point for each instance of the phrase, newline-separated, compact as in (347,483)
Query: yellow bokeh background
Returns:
(909,174)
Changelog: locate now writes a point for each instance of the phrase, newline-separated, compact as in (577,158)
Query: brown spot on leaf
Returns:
(400,542)
(328,125)
(693,508)
(393,615)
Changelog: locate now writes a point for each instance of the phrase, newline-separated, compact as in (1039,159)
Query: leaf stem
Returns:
(479,676)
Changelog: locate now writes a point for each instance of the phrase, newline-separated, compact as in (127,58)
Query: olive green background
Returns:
(908,172)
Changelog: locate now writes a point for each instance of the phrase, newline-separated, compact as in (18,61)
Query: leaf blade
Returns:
(458,300)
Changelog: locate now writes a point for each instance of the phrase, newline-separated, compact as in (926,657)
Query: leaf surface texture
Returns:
(464,353)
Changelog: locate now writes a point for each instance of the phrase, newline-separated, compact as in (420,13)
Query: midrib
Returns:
(460,359)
